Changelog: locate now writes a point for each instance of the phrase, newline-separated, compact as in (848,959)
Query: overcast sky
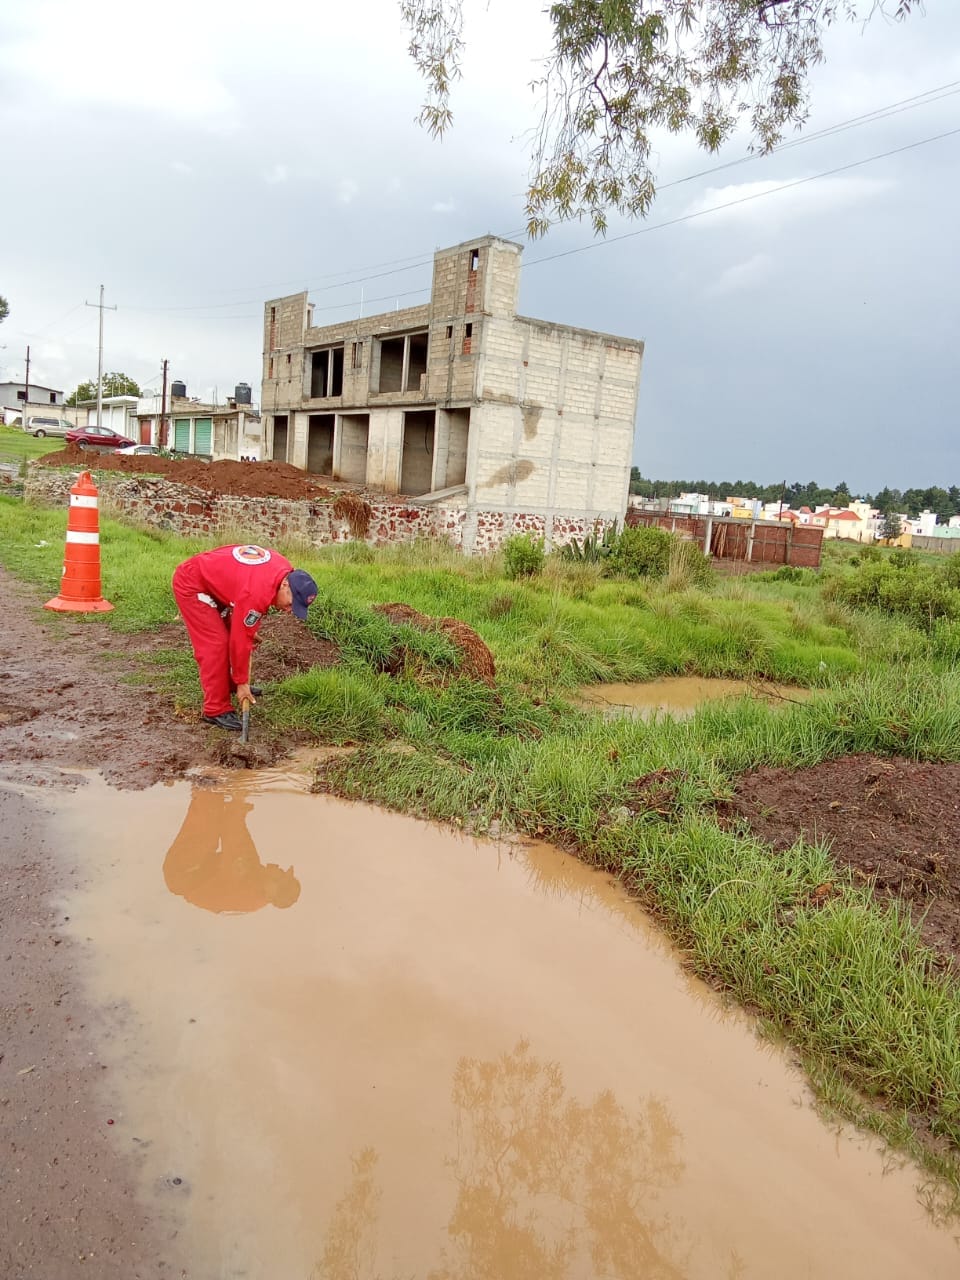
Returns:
(199,157)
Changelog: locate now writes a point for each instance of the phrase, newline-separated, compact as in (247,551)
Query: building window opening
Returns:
(270,368)
(474,259)
(288,358)
(391,364)
(53,397)
(416,360)
(356,356)
(326,373)
(449,332)
(467,339)
(402,362)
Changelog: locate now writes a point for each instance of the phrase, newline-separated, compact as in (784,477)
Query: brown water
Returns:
(367,1047)
(681,695)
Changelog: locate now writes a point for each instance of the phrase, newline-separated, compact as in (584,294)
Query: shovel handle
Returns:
(245,720)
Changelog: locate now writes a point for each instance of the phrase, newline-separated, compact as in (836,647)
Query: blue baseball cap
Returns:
(304,591)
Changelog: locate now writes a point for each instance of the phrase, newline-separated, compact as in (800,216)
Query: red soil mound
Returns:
(245,479)
(476,659)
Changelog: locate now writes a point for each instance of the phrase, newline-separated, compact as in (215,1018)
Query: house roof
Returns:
(843,515)
(805,511)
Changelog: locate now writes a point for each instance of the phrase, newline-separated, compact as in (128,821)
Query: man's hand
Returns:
(244,695)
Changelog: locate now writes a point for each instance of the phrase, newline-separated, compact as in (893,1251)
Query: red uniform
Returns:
(242,580)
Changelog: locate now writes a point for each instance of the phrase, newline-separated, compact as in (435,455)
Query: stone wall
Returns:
(194,512)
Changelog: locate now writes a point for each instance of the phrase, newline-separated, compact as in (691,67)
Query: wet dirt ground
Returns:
(358,1045)
(246,1031)
(895,823)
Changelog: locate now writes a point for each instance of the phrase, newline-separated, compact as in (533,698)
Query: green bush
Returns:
(522,555)
(903,558)
(951,570)
(791,573)
(642,551)
(688,566)
(914,591)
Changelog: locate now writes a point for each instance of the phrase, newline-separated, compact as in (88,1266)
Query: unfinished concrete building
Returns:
(509,421)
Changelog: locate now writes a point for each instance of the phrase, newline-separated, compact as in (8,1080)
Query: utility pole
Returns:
(162,432)
(99,305)
(26,392)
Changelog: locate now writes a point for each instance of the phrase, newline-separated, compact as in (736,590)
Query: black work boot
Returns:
(226,720)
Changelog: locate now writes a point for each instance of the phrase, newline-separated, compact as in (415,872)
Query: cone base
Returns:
(59,605)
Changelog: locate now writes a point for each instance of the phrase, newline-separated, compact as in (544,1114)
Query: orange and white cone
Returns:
(80,589)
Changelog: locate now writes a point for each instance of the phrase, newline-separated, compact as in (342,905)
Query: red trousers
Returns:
(210,636)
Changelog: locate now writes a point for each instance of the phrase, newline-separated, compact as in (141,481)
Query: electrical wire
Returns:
(415,261)
(730,204)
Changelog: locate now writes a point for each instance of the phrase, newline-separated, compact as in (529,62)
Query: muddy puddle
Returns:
(681,696)
(350,1045)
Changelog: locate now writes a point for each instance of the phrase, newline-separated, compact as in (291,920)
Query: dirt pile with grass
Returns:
(242,479)
(476,660)
(894,822)
(288,647)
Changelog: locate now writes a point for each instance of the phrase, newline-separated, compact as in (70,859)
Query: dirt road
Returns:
(67,1206)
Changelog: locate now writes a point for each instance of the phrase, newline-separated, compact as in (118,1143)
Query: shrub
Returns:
(951,570)
(903,558)
(522,555)
(687,566)
(923,595)
(594,548)
(642,551)
(793,573)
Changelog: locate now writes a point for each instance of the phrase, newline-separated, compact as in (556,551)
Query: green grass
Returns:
(846,982)
(16,444)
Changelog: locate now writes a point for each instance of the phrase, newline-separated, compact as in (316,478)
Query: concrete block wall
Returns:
(552,407)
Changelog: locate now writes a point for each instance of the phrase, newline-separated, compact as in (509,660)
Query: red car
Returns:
(97,438)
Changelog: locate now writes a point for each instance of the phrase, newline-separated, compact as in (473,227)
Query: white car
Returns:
(139,450)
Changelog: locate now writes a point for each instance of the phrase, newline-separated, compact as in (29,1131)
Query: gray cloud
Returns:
(808,333)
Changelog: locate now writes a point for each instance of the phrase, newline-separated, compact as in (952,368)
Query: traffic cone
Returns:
(80,585)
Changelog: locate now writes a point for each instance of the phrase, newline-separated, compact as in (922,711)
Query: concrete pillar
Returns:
(385,449)
(441,449)
(298,432)
(708,535)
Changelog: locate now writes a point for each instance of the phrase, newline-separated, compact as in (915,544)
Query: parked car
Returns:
(97,438)
(41,427)
(139,450)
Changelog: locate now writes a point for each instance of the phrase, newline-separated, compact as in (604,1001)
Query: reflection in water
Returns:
(547,1188)
(214,863)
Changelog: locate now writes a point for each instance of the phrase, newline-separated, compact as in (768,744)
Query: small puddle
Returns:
(355,1045)
(680,696)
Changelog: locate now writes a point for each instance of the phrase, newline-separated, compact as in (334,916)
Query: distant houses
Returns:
(857,522)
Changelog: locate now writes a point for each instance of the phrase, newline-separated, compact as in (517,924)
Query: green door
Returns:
(203,436)
(181,434)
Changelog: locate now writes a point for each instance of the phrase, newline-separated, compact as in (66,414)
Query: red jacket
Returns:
(243,578)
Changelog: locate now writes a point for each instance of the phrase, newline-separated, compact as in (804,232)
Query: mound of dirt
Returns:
(476,660)
(244,479)
(893,821)
(288,647)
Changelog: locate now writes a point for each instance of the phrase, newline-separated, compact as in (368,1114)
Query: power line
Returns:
(730,204)
(414,262)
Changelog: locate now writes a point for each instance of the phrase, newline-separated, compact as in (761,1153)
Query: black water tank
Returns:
(242,394)
(178,389)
